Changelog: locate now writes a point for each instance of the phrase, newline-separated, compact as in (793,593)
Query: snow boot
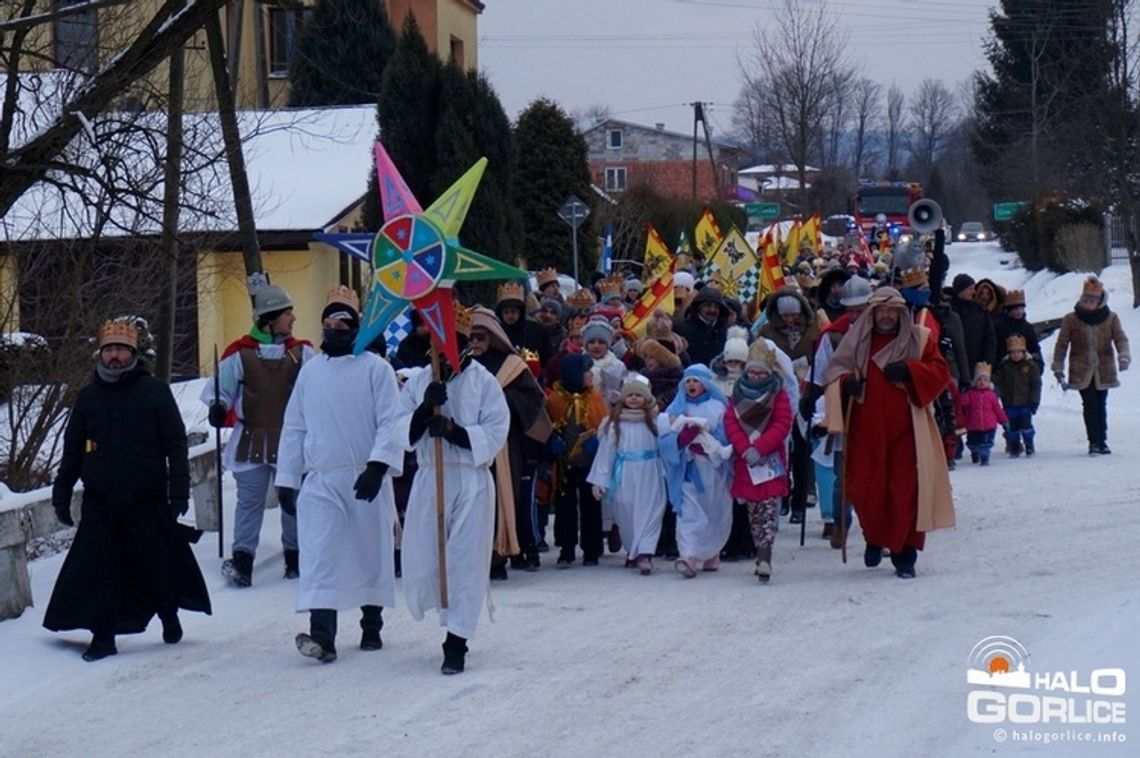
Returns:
(292,564)
(239,569)
(984,460)
(171,627)
(764,564)
(370,640)
(872,556)
(454,655)
(827,530)
(904,562)
(102,646)
(498,568)
(974,457)
(310,648)
(1014,449)
(1029,450)
(371,622)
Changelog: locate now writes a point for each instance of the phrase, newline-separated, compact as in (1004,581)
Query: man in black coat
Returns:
(130,559)
(977,326)
(705,326)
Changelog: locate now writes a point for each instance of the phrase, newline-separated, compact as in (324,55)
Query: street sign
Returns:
(763,211)
(574,212)
(1006,211)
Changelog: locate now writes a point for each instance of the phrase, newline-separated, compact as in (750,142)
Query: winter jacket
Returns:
(982,411)
(952,341)
(126,441)
(978,328)
(808,326)
(771,440)
(1018,383)
(1091,357)
(705,340)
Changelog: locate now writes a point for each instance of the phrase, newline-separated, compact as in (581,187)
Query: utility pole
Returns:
(699,118)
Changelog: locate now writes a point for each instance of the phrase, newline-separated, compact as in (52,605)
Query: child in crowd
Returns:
(694,449)
(1018,381)
(627,473)
(983,412)
(757,424)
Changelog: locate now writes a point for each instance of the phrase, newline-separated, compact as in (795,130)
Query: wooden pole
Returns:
(843,476)
(441,528)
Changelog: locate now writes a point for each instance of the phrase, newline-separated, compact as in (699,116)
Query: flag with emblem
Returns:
(658,291)
(812,234)
(736,262)
(771,272)
(792,242)
(707,236)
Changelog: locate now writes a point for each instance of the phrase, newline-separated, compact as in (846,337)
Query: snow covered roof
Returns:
(765,169)
(305,167)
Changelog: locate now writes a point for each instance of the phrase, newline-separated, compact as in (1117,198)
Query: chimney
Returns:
(660,126)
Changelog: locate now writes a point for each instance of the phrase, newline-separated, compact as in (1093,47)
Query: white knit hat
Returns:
(684,279)
(736,346)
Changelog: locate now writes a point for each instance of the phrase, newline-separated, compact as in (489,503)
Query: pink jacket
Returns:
(772,440)
(982,410)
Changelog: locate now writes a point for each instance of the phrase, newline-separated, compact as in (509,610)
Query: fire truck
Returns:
(884,204)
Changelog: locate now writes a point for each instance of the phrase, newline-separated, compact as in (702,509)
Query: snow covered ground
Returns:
(827,660)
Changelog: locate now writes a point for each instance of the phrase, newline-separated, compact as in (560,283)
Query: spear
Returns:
(218,452)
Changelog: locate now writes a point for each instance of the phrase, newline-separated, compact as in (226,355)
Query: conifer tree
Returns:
(341,53)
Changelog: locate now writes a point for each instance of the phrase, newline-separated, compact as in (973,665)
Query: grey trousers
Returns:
(252,486)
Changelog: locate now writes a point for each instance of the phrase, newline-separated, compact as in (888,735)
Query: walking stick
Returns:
(843,477)
(218,454)
(800,451)
(441,536)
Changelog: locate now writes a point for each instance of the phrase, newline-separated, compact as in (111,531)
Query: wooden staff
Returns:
(441,531)
(843,474)
(218,454)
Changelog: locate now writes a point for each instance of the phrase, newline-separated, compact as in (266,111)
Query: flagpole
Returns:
(441,532)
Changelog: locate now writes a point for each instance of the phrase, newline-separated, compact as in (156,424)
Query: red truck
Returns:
(891,200)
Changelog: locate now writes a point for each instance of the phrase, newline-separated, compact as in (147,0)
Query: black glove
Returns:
(807,402)
(963,386)
(442,426)
(179,507)
(818,432)
(217,414)
(287,499)
(435,394)
(367,485)
(897,371)
(63,513)
(852,387)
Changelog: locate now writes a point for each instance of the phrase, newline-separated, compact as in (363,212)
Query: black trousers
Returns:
(1095,403)
(576,507)
(322,623)
(802,480)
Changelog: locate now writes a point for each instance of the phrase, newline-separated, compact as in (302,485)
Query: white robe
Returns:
(705,517)
(476,402)
(638,499)
(342,413)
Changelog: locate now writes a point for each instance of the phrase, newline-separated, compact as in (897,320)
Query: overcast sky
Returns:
(646,59)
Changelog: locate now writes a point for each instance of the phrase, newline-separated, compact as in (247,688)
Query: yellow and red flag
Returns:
(771,272)
(813,234)
(708,236)
(658,289)
(792,242)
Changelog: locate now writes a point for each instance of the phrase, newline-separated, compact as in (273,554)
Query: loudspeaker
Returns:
(924,215)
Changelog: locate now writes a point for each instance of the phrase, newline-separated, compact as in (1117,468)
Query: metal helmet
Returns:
(269,299)
(856,291)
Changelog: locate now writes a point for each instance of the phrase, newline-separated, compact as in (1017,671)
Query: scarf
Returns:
(753,401)
(1093,317)
(112,375)
(337,342)
(854,352)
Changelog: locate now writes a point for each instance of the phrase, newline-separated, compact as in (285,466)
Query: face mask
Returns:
(916,298)
(336,342)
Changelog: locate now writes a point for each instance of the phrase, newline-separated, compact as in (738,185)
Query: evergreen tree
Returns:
(552,165)
(341,53)
(1051,65)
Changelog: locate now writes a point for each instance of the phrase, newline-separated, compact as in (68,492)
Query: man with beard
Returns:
(516,533)
(523,335)
(129,560)
(255,376)
(705,326)
(890,370)
(336,448)
(553,332)
(473,421)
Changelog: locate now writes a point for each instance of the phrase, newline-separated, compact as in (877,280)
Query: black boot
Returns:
(320,642)
(292,564)
(371,622)
(171,627)
(904,562)
(454,654)
(239,569)
(872,556)
(498,567)
(102,646)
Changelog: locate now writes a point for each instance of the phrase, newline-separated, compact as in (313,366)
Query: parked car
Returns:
(973,231)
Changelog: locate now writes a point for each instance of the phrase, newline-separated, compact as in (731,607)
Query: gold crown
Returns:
(1014,298)
(716,281)
(580,300)
(548,275)
(682,261)
(344,296)
(913,277)
(462,320)
(982,369)
(759,352)
(611,286)
(118,332)
(510,291)
(530,356)
(1015,342)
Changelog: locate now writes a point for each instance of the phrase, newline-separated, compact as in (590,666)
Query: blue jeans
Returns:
(1020,427)
(249,513)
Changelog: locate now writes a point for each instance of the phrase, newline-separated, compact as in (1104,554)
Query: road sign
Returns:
(764,211)
(574,212)
(1006,211)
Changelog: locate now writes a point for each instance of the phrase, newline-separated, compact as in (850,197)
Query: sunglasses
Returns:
(479,337)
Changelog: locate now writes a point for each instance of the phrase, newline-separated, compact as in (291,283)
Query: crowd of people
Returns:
(856,388)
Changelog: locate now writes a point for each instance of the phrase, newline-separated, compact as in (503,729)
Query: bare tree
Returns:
(791,73)
(865,121)
(591,115)
(933,115)
(837,117)
(896,103)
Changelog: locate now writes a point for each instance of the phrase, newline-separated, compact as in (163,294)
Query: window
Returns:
(615,179)
(76,38)
(615,139)
(457,52)
(284,28)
